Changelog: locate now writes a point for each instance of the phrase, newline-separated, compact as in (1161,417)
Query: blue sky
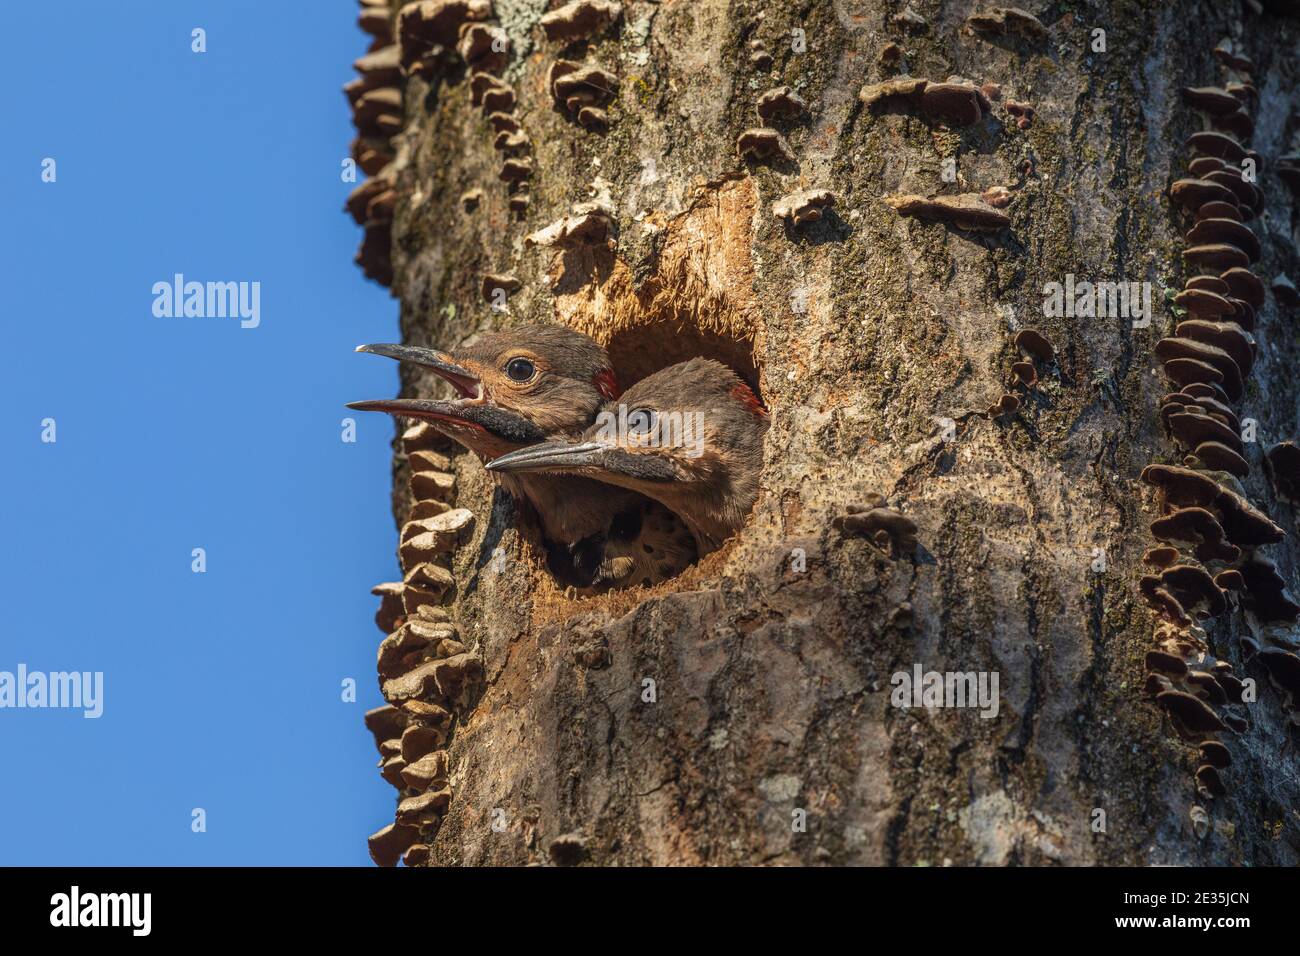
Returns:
(222,690)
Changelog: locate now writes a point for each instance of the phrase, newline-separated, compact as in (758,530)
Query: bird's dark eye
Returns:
(519,369)
(641,422)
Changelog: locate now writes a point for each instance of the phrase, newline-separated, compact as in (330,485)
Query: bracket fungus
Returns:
(999,197)
(516,170)
(424,585)
(425,735)
(1211,99)
(1204,303)
(1225,231)
(593,118)
(381,67)
(1191,429)
(579,19)
(1006,405)
(1209,284)
(1176,350)
(1034,344)
(1008,20)
(484,47)
(1192,194)
(425,539)
(589,224)
(965,210)
(1161,556)
(1215,753)
(423,808)
(902,90)
(427,773)
(373,18)
(1245,285)
(806,205)
(1200,165)
(387,845)
(1233,689)
(429,29)
(955,104)
(1214,143)
(512,144)
(1191,716)
(1209,782)
(1022,112)
(575,85)
(1166,663)
(1194,589)
(1219,457)
(495,283)
(1162,601)
(390,612)
(374,255)
(762,144)
(1196,529)
(780,103)
(1244,524)
(1025,372)
(1216,256)
(1205,686)
(385,722)
(359,200)
(1229,54)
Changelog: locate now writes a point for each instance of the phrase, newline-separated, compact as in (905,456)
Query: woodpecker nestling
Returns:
(689,436)
(532,384)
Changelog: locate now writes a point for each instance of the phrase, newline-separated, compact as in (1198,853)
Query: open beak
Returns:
(552,456)
(470,411)
(502,424)
(423,408)
(466,383)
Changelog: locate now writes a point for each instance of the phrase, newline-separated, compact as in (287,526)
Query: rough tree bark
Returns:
(864,331)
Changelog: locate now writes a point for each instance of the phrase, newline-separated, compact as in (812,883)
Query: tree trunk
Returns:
(747,711)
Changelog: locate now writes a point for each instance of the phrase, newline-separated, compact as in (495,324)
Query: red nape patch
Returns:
(606,383)
(745,394)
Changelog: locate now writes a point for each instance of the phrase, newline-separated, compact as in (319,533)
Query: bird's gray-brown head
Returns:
(689,436)
(514,388)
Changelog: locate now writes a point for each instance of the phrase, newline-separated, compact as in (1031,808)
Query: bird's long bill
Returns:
(424,408)
(552,456)
(465,381)
(503,424)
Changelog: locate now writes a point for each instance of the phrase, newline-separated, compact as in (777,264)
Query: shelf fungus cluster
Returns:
(777,108)
(803,206)
(377,113)
(428,675)
(588,224)
(438,36)
(1008,21)
(969,211)
(1036,352)
(581,91)
(1206,561)
(434,34)
(956,102)
(496,98)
